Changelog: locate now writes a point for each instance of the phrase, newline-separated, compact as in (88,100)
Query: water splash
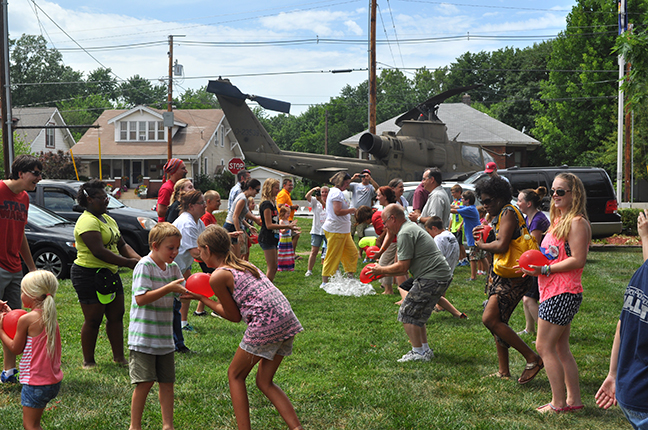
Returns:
(340,285)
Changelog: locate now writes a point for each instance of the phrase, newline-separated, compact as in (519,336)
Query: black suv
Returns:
(59,196)
(601,199)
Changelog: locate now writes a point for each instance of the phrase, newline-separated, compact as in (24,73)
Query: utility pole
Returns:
(5,89)
(170,102)
(372,69)
(623,26)
(628,136)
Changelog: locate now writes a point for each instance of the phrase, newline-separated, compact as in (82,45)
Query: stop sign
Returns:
(235,165)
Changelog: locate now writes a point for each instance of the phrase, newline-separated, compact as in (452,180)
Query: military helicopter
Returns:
(422,142)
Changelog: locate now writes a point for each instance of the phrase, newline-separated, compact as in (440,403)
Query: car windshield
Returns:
(44,218)
(475,177)
(114,203)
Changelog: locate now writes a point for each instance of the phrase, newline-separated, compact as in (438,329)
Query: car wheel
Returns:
(52,260)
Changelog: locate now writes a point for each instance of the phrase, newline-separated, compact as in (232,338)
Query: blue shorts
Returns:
(317,240)
(38,396)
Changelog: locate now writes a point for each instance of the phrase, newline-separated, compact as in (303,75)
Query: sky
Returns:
(284,49)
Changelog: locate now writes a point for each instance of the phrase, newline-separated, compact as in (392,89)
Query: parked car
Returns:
(59,196)
(601,200)
(51,241)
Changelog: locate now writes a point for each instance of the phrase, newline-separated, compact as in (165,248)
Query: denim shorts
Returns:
(283,348)
(38,396)
(638,420)
(317,240)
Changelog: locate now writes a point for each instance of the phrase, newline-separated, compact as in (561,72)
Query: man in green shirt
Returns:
(418,254)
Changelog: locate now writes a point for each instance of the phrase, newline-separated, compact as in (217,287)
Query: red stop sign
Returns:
(235,165)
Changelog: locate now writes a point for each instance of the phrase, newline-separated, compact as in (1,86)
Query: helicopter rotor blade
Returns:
(432,102)
(272,104)
(224,88)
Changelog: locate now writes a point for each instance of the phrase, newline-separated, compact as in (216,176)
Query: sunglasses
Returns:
(35,172)
(559,193)
(487,201)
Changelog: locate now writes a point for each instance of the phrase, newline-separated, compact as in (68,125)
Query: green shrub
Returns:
(629,220)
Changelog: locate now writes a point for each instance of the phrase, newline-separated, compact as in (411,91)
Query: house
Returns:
(134,144)
(37,136)
(262,173)
(508,146)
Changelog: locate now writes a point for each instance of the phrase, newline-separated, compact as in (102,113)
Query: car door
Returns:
(59,201)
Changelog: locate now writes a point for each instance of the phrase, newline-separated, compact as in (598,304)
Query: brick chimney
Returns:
(466,99)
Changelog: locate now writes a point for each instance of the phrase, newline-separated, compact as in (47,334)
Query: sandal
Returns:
(574,408)
(551,408)
(530,371)
(498,374)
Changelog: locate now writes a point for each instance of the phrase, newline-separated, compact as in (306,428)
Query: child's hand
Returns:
(4,307)
(188,295)
(235,233)
(177,286)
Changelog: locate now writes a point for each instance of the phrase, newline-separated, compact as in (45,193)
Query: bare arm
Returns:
(339,211)
(267,215)
(537,235)
(162,210)
(153,295)
(237,213)
(401,267)
(579,236)
(642,228)
(25,253)
(222,283)
(93,241)
(606,395)
(508,224)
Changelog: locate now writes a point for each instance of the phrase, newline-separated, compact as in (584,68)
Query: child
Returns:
(470,216)
(286,255)
(39,340)
(150,333)
(212,203)
(246,294)
(245,248)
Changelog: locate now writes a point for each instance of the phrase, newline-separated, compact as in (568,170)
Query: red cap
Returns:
(367,171)
(490,167)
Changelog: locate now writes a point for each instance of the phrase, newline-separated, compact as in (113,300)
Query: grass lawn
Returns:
(343,373)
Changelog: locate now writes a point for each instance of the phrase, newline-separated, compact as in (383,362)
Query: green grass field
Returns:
(343,373)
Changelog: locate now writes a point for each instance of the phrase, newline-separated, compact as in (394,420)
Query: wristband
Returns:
(546,270)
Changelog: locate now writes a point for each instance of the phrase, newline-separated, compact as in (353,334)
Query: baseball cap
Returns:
(366,171)
(490,167)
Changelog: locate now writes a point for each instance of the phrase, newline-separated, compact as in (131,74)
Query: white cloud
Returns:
(354,28)
(322,23)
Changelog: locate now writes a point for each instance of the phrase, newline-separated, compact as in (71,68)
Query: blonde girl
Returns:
(181,187)
(246,294)
(38,339)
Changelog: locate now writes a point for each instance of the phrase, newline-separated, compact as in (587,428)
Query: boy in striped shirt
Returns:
(150,334)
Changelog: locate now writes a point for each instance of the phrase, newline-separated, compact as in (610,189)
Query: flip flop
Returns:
(543,409)
(533,369)
(500,375)
(574,408)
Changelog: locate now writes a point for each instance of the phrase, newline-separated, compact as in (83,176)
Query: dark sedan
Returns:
(51,241)
(59,196)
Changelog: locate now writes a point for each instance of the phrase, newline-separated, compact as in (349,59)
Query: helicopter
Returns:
(421,143)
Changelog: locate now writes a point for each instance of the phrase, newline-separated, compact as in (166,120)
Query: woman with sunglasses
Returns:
(337,229)
(239,212)
(504,293)
(561,292)
(101,250)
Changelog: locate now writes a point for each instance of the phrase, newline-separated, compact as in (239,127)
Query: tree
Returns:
(57,165)
(578,111)
(83,110)
(102,82)
(139,91)
(197,99)
(38,75)
(20,147)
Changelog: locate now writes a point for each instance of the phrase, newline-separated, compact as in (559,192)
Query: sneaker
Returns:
(215,315)
(481,272)
(429,354)
(464,262)
(413,356)
(9,376)
(324,284)
(184,350)
(308,273)
(200,314)
(188,327)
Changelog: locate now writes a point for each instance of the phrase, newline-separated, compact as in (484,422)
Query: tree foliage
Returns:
(57,165)
(139,91)
(20,147)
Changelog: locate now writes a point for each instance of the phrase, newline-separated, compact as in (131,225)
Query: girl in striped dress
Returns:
(245,293)
(286,256)
(38,339)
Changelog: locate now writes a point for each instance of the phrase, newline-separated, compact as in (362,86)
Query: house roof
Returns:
(467,124)
(188,141)
(33,116)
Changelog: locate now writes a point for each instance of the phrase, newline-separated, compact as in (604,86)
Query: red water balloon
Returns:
(254,238)
(371,251)
(532,257)
(485,232)
(365,278)
(199,283)
(10,321)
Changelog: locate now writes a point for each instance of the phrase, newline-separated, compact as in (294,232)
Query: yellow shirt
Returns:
(283,198)
(109,235)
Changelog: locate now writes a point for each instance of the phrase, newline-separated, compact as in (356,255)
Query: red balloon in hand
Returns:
(485,232)
(254,238)
(365,278)
(532,257)
(10,321)
(199,283)
(371,251)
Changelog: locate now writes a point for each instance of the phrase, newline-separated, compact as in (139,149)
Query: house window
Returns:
(141,130)
(205,166)
(49,137)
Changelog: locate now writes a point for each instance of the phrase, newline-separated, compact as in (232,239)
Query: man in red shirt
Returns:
(283,198)
(14,204)
(175,170)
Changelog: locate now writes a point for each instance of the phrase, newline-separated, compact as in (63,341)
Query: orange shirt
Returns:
(283,198)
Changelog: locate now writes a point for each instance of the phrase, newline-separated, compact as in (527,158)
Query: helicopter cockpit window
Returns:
(487,157)
(471,154)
